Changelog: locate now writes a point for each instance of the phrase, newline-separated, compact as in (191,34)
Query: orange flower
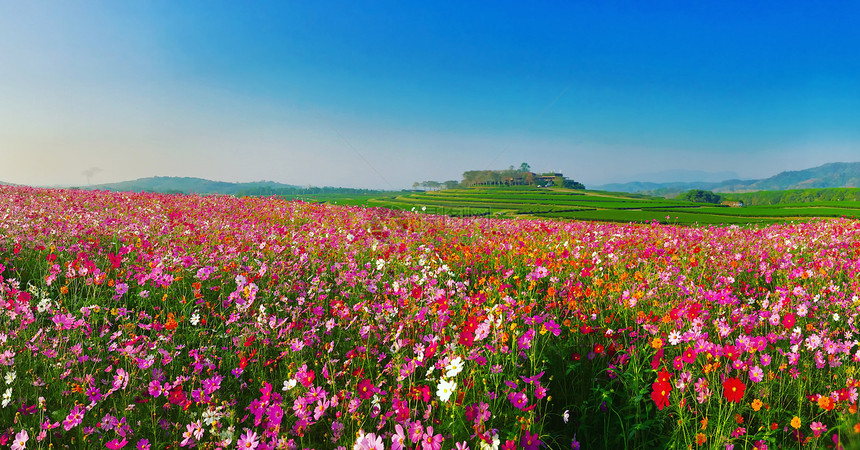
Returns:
(64,290)
(705,423)
(701,439)
(756,405)
(857,427)
(795,423)
(171,322)
(826,403)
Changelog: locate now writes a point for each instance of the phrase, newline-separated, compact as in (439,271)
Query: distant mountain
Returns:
(186,185)
(826,176)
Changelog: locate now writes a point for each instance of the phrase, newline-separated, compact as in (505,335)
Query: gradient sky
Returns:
(380,94)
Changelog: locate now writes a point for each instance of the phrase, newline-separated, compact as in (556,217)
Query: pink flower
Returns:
(20,442)
(116,443)
(75,417)
(370,441)
(398,438)
(431,441)
(248,440)
(818,428)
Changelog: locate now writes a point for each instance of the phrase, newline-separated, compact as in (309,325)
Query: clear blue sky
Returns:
(381,94)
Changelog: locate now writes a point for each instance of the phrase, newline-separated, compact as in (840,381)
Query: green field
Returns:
(566,204)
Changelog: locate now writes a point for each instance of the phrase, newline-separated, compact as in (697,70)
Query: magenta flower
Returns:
(431,441)
(75,417)
(529,441)
(116,444)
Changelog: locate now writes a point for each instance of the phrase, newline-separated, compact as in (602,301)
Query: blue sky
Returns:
(381,94)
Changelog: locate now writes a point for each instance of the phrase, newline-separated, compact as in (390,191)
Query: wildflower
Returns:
(20,442)
(454,367)
(817,428)
(398,439)
(566,415)
(529,441)
(248,440)
(75,417)
(657,343)
(756,405)
(431,441)
(733,389)
(826,403)
(116,444)
(660,394)
(369,441)
(366,389)
(756,374)
(701,438)
(795,422)
(10,377)
(7,397)
(445,389)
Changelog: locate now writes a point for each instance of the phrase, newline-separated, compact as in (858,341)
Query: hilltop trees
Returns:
(700,196)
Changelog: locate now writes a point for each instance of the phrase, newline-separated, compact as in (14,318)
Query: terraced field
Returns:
(594,205)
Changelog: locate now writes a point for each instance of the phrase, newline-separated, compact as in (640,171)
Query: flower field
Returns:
(163,321)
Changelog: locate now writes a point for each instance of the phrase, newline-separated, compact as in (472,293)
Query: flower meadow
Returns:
(147,321)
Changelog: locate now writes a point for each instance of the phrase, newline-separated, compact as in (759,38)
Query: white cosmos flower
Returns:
(7,397)
(10,377)
(445,389)
(454,367)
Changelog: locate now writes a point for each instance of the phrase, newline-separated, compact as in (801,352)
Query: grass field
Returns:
(566,204)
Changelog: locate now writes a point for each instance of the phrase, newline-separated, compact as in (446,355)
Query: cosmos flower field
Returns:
(147,321)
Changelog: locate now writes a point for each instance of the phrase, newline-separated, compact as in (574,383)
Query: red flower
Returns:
(598,348)
(177,396)
(788,321)
(733,389)
(661,393)
(366,389)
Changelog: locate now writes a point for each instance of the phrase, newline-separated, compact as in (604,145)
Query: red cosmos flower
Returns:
(733,389)
(598,348)
(177,396)
(788,321)
(576,356)
(661,393)
(366,389)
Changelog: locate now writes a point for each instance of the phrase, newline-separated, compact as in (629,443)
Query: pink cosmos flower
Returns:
(116,444)
(431,441)
(75,417)
(20,442)
(248,441)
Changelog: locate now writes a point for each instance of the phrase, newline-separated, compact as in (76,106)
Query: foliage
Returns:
(700,196)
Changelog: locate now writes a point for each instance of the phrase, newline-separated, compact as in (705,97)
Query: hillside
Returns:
(831,175)
(186,185)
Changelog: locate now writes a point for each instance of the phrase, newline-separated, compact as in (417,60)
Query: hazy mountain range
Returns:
(831,175)
(186,185)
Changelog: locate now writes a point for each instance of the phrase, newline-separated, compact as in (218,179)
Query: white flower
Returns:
(10,377)
(836,317)
(566,415)
(675,337)
(289,384)
(380,264)
(445,389)
(454,367)
(195,319)
(7,397)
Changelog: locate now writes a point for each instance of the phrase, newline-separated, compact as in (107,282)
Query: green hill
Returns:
(186,185)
